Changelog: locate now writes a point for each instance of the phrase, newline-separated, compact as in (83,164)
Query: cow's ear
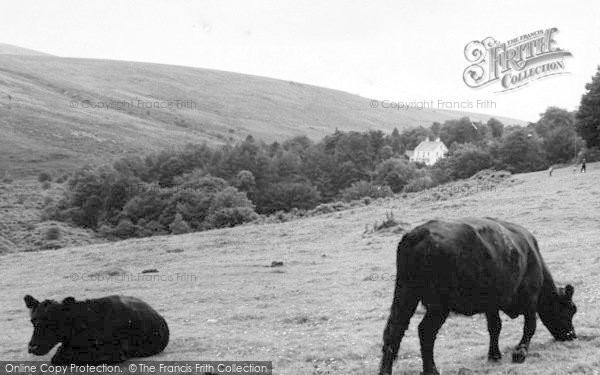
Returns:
(31,302)
(569,290)
(68,301)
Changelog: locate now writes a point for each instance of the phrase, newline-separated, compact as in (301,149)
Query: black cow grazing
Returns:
(473,266)
(103,330)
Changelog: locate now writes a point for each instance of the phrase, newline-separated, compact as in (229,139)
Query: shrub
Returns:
(46,185)
(362,189)
(179,226)
(53,233)
(418,184)
(21,198)
(521,152)
(245,181)
(192,198)
(105,231)
(326,208)
(151,228)
(86,196)
(468,159)
(44,176)
(441,171)
(229,208)
(62,178)
(395,173)
(47,201)
(228,198)
(389,222)
(125,229)
(7,180)
(288,195)
(592,154)
(229,217)
(148,205)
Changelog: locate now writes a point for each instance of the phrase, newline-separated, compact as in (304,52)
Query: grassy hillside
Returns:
(324,311)
(7,49)
(22,225)
(45,123)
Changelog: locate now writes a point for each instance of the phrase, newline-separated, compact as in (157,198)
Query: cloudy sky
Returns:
(388,50)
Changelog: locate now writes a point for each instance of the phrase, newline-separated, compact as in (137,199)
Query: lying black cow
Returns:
(473,266)
(103,330)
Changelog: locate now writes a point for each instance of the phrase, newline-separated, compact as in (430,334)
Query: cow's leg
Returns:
(403,307)
(494,325)
(428,329)
(520,351)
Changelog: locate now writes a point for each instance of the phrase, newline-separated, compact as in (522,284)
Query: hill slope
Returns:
(324,310)
(54,110)
(8,49)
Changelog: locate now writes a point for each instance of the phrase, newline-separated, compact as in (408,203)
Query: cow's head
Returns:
(558,316)
(50,323)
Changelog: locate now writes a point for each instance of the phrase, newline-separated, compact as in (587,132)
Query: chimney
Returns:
(437,139)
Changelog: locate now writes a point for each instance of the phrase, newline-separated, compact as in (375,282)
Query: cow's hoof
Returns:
(519,355)
(494,357)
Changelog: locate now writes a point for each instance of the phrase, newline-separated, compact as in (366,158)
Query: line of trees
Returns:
(202,187)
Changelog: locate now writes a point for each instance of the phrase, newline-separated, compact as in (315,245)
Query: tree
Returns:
(562,145)
(245,181)
(287,195)
(458,131)
(435,129)
(412,137)
(557,128)
(179,226)
(521,151)
(552,119)
(168,170)
(386,152)
(361,189)
(395,141)
(230,208)
(467,160)
(588,115)
(395,173)
(496,127)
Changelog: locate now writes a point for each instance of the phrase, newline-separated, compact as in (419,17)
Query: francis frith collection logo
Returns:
(514,63)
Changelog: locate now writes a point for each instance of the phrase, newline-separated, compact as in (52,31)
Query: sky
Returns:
(393,51)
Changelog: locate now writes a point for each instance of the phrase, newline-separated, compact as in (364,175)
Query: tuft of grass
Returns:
(44,176)
(389,222)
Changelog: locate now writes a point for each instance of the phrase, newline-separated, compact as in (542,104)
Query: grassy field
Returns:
(45,124)
(324,310)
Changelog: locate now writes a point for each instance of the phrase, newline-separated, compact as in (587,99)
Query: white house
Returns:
(429,152)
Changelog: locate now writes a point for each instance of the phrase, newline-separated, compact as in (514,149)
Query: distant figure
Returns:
(550,170)
(582,165)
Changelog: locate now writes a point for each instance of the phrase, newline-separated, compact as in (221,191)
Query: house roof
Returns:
(430,146)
